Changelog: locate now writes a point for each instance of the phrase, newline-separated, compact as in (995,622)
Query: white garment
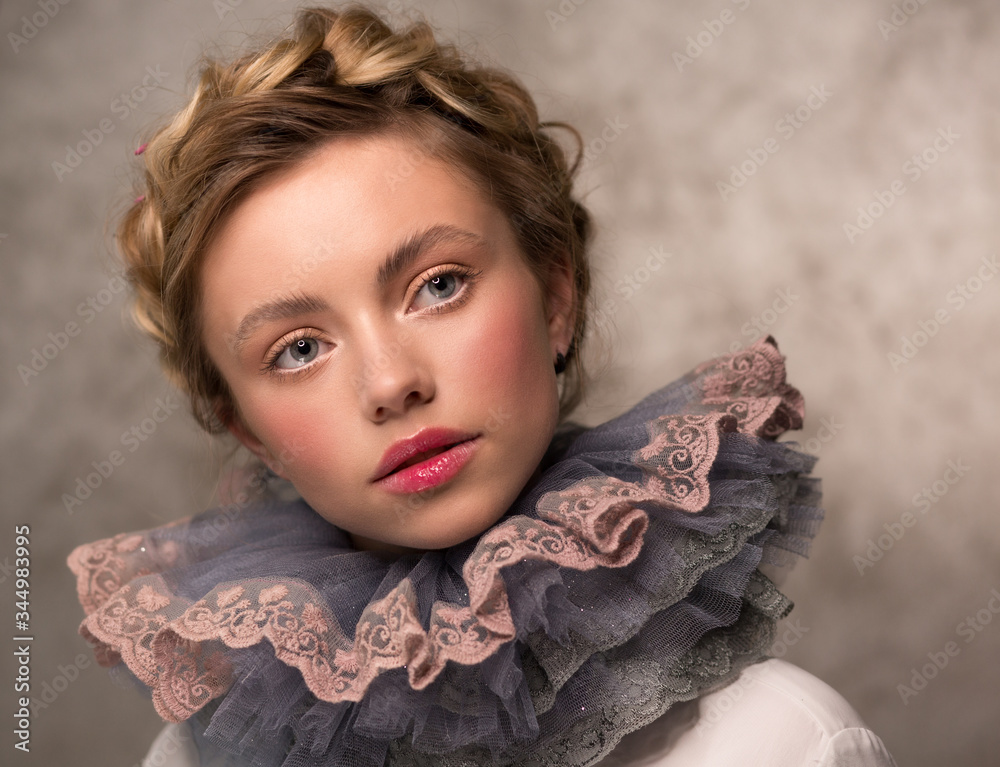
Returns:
(773,714)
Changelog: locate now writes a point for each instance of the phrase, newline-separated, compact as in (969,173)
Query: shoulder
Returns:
(773,714)
(173,747)
(177,745)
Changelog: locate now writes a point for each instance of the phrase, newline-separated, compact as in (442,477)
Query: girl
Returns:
(362,256)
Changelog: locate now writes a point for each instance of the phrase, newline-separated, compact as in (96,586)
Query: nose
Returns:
(392,378)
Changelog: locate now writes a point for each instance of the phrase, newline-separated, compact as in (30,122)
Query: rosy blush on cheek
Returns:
(293,435)
(516,350)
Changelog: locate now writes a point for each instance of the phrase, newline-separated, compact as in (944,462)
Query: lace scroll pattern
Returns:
(750,385)
(157,633)
(180,647)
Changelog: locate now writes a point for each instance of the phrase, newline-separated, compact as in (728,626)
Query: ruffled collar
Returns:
(624,580)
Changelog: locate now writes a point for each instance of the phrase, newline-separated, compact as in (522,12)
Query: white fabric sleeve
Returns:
(773,714)
(856,747)
(173,747)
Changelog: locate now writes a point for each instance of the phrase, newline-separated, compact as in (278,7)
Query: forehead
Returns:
(349,194)
(337,212)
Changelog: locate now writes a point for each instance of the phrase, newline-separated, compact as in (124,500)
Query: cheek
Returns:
(292,433)
(513,352)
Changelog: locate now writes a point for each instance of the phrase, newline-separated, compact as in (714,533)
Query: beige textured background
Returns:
(883,434)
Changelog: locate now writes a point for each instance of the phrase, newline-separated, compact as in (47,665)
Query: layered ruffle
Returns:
(626,579)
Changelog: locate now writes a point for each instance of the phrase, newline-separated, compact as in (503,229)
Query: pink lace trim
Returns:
(750,386)
(176,648)
(104,566)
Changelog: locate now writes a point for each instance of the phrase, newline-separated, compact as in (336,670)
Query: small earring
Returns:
(560,362)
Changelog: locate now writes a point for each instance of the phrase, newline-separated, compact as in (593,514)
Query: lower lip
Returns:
(435,471)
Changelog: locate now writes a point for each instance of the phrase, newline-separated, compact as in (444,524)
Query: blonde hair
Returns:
(339,73)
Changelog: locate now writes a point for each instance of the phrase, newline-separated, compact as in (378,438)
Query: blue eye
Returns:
(302,351)
(295,353)
(442,286)
(448,287)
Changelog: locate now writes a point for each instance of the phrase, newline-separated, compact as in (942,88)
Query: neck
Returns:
(361,543)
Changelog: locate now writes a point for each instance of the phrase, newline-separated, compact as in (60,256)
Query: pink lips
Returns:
(433,470)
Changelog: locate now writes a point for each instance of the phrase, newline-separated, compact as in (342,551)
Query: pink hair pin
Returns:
(140,198)
(141,149)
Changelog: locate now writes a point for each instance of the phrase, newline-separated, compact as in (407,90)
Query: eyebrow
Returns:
(398,260)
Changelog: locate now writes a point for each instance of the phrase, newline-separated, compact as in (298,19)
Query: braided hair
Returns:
(337,73)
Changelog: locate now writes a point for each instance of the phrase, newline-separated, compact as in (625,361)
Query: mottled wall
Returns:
(772,251)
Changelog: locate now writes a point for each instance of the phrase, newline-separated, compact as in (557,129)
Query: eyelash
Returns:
(467,274)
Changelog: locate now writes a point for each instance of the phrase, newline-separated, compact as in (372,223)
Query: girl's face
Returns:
(367,295)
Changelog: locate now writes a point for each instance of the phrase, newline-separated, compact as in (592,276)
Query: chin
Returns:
(446,538)
(444,533)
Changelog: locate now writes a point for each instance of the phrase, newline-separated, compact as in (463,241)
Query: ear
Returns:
(234,423)
(560,302)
